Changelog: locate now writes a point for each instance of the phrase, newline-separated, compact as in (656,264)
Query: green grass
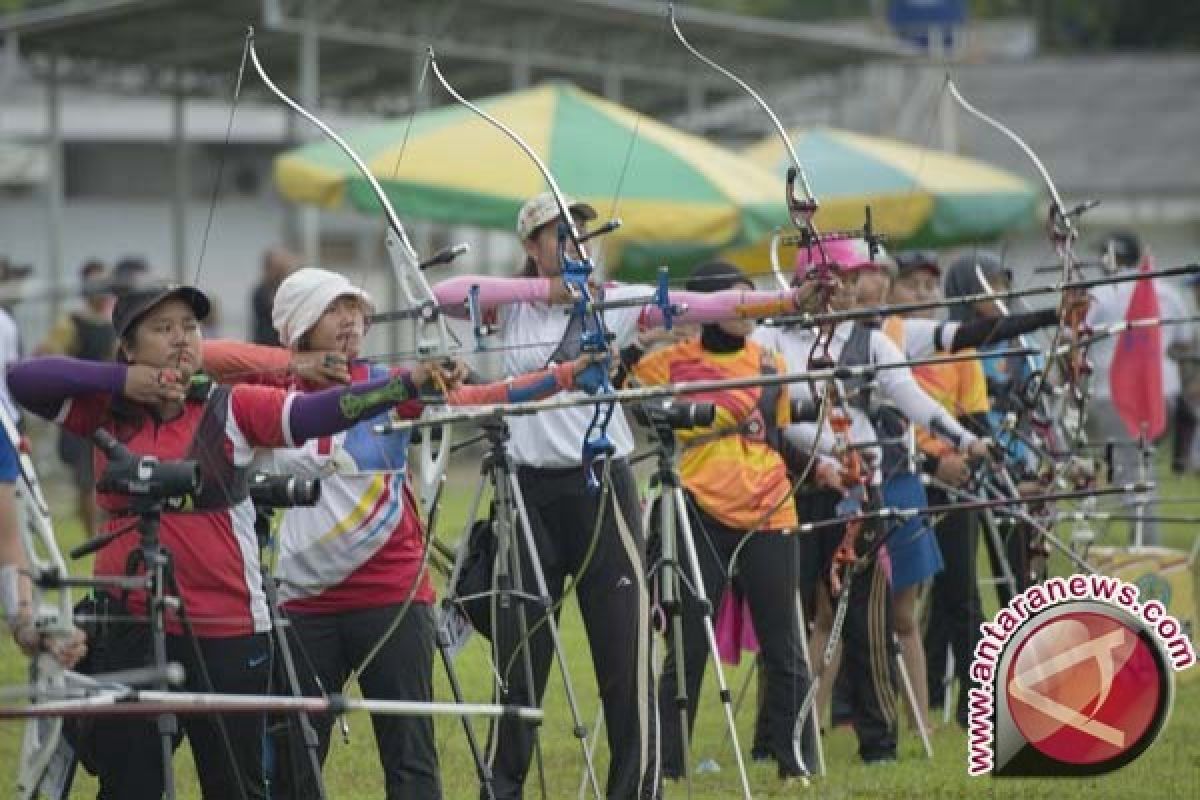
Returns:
(1170,769)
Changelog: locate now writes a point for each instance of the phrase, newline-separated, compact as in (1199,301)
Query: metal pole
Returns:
(695,99)
(11,60)
(180,185)
(310,97)
(54,188)
(522,73)
(612,85)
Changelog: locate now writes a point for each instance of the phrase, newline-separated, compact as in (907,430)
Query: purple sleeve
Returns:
(331,411)
(493,292)
(43,384)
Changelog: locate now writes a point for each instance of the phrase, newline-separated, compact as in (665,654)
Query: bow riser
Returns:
(576,272)
(51,619)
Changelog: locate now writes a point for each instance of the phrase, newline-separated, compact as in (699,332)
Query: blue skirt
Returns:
(912,549)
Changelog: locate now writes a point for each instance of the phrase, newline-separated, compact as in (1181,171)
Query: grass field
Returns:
(1170,769)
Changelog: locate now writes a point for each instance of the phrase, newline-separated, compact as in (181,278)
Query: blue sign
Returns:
(913,20)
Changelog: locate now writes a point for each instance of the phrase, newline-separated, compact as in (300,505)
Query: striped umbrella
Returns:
(681,198)
(919,197)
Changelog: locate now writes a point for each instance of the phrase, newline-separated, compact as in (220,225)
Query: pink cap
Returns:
(841,253)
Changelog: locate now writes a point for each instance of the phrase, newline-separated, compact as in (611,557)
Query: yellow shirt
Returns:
(737,478)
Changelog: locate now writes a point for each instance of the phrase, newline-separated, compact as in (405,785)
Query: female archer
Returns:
(156,402)
(863,420)
(602,546)
(350,569)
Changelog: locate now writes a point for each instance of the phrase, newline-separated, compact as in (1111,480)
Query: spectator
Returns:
(277,264)
(130,273)
(1187,409)
(85,333)
(1109,305)
(10,275)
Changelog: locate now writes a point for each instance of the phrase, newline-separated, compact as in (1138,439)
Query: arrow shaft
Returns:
(645,393)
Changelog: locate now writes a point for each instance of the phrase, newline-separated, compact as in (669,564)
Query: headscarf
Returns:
(717,276)
(961,280)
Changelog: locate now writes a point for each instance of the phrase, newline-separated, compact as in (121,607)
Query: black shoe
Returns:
(759,753)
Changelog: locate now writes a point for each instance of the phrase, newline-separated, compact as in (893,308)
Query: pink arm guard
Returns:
(706,307)
(493,292)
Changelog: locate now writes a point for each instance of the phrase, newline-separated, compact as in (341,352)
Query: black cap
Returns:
(1126,247)
(909,261)
(13,272)
(715,276)
(134,305)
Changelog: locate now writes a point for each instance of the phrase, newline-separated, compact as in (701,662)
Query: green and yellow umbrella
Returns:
(681,197)
(919,197)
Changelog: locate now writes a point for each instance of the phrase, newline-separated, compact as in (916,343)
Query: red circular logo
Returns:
(1084,688)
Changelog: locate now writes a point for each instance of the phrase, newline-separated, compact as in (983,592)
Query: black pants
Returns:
(614,602)
(955,609)
(1184,422)
(128,750)
(1017,540)
(333,645)
(767,573)
(868,632)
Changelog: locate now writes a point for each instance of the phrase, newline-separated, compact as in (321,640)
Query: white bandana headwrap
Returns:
(303,297)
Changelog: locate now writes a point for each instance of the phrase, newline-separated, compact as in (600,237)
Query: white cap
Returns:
(539,210)
(305,295)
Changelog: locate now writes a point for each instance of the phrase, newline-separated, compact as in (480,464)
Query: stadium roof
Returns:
(621,48)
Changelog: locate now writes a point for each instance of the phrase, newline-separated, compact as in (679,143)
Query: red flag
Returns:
(1136,374)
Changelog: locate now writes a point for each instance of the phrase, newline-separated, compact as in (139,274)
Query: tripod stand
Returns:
(156,561)
(675,527)
(512,531)
(279,633)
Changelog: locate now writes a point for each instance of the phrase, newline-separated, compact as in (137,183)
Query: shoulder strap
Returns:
(764,423)
(768,401)
(222,484)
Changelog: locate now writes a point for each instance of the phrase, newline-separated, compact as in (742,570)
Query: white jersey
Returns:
(531,332)
(10,353)
(926,338)
(896,385)
(362,504)
(1109,305)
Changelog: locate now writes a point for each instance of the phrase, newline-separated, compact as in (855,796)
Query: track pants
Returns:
(333,645)
(128,749)
(767,572)
(867,635)
(614,601)
(955,608)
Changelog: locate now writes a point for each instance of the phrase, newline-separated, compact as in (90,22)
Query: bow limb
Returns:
(1030,361)
(801,210)
(52,619)
(576,274)
(429,330)
(1063,233)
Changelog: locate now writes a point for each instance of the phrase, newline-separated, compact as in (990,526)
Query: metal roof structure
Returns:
(369,56)
(620,48)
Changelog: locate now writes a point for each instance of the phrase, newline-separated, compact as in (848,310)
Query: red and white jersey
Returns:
(363,545)
(214,552)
